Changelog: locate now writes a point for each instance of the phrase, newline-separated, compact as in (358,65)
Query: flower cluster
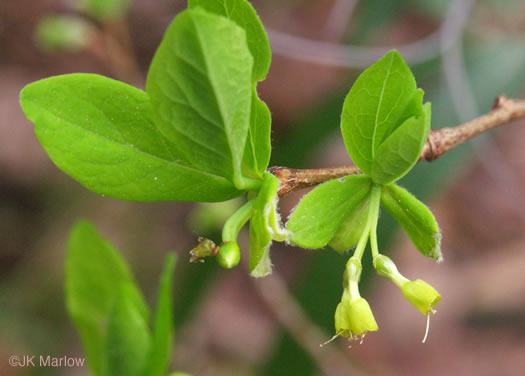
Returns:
(353,316)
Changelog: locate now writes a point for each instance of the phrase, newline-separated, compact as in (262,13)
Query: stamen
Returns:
(428,328)
(330,340)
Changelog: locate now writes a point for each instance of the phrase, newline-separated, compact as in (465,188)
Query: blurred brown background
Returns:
(463,53)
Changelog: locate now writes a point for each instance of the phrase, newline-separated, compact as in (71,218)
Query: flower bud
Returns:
(385,267)
(422,296)
(229,255)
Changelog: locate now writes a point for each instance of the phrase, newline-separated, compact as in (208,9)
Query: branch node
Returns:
(499,102)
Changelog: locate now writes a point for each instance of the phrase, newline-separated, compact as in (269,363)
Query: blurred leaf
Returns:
(100,132)
(63,33)
(209,217)
(103,9)
(163,326)
(320,212)
(94,272)
(200,87)
(128,340)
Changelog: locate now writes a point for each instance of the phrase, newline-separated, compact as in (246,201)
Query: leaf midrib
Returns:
(379,106)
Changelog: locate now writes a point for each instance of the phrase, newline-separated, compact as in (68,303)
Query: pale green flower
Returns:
(422,296)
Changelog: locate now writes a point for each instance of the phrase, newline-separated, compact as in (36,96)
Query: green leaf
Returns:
(258,146)
(243,14)
(382,98)
(200,87)
(321,212)
(417,220)
(128,340)
(401,150)
(351,228)
(261,228)
(100,132)
(104,9)
(93,272)
(163,327)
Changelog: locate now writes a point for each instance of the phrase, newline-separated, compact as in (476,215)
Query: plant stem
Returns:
(233,225)
(375,200)
(371,223)
(360,248)
(440,141)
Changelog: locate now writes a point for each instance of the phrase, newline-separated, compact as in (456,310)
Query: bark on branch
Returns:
(439,142)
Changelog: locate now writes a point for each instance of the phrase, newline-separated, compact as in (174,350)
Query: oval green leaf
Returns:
(417,220)
(200,87)
(101,132)
(93,271)
(381,99)
(320,213)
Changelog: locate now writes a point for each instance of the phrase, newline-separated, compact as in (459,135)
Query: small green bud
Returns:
(385,267)
(422,296)
(229,255)
(354,318)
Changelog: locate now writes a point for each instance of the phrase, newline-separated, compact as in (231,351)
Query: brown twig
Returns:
(439,142)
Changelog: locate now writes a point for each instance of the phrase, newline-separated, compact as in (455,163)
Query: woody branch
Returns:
(439,142)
